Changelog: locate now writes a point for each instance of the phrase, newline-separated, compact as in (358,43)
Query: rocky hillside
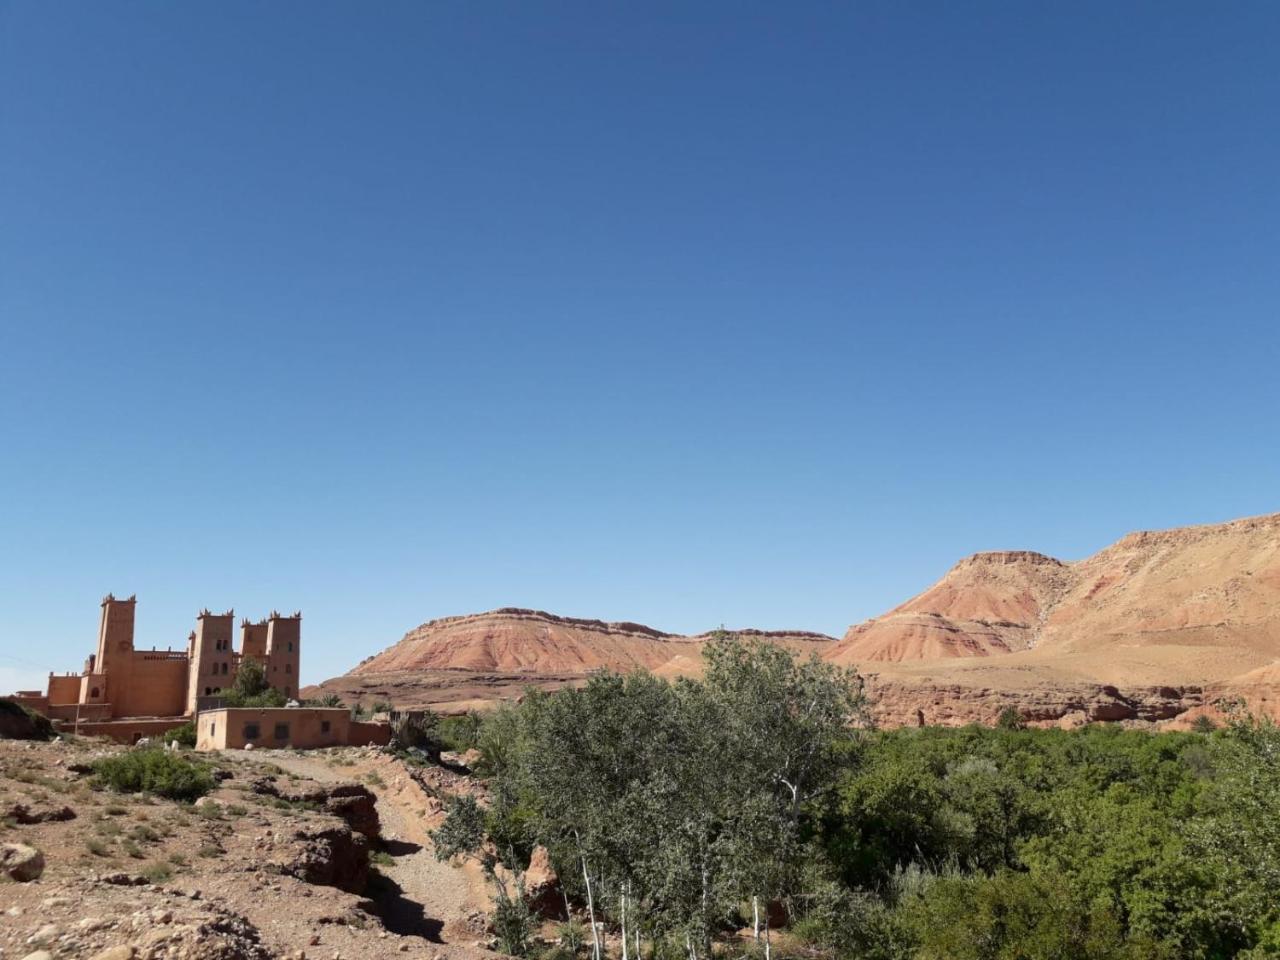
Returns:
(456,663)
(1158,626)
(989,603)
(1211,586)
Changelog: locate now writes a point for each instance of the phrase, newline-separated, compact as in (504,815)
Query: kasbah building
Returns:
(128,694)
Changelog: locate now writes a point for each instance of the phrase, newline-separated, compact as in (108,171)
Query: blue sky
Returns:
(748,313)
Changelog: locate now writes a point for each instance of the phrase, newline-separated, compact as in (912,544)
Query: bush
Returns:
(573,935)
(19,723)
(155,771)
(460,733)
(513,921)
(184,736)
(1011,719)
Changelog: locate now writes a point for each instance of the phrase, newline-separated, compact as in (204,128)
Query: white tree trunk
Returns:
(591,913)
(622,899)
(767,945)
(755,907)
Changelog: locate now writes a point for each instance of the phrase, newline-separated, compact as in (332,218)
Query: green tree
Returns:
(251,687)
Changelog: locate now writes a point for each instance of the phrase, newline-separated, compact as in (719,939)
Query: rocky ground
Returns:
(297,855)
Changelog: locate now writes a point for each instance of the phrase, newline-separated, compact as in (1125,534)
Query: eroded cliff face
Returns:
(516,641)
(1214,585)
(1157,627)
(1160,626)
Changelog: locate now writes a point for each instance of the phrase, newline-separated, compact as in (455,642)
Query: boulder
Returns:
(20,862)
(28,814)
(542,886)
(331,857)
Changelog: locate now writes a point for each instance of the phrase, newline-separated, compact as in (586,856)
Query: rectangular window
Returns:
(282,731)
(324,726)
(251,731)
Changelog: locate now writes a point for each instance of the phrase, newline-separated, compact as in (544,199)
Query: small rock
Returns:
(46,934)
(122,952)
(21,862)
(39,955)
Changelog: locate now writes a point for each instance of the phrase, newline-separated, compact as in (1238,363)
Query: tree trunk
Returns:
(767,944)
(622,916)
(591,913)
(755,907)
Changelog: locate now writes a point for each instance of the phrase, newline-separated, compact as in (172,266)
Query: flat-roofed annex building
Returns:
(299,728)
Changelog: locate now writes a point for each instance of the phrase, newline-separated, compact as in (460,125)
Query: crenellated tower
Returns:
(284,651)
(211,668)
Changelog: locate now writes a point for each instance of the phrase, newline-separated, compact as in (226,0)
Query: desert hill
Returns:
(455,663)
(987,604)
(1212,586)
(1159,626)
(1154,626)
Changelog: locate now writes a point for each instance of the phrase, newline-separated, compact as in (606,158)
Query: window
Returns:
(288,668)
(217,690)
(291,646)
(282,731)
(224,669)
(324,726)
(251,731)
(93,694)
(213,727)
(214,669)
(207,691)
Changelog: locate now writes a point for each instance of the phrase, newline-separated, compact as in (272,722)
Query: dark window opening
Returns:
(208,691)
(282,731)
(251,731)
(324,726)
(93,694)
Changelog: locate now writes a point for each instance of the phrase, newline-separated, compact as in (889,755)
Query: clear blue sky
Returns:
(753,313)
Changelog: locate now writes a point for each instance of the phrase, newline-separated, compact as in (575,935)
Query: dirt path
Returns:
(426,898)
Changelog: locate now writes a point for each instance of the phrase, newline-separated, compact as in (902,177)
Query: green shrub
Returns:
(1011,719)
(513,921)
(460,733)
(184,736)
(572,935)
(157,872)
(157,771)
(19,723)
